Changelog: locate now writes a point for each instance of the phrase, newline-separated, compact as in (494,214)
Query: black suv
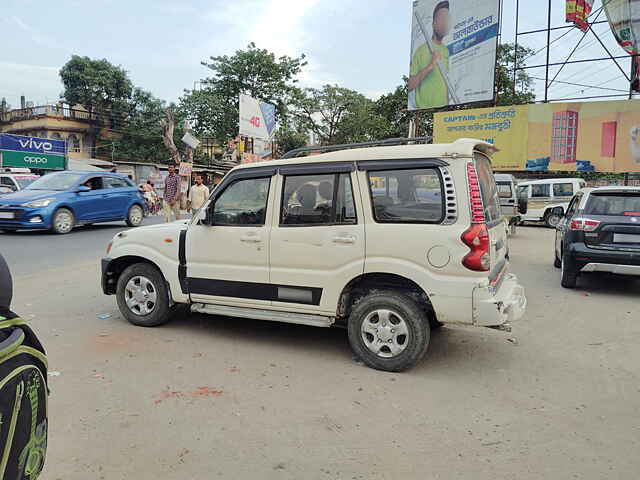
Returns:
(599,233)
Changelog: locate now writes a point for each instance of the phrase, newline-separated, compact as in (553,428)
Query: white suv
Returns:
(390,242)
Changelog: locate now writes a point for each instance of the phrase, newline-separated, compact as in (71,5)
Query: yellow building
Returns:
(60,122)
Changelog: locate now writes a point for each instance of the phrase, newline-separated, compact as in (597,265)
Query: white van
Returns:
(542,196)
(508,200)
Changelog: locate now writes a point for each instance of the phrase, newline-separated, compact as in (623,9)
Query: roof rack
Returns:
(346,146)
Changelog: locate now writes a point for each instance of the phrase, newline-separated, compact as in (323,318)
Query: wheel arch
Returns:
(118,265)
(358,287)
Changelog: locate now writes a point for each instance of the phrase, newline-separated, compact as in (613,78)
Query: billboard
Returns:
(624,19)
(257,119)
(583,137)
(453,52)
(32,152)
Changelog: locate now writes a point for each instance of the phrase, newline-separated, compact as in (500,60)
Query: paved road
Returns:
(208,397)
(29,252)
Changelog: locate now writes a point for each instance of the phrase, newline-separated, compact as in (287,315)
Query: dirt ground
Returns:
(208,397)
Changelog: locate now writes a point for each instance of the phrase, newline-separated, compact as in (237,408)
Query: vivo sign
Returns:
(18,143)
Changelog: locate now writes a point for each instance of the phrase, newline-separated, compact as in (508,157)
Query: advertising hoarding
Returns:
(453,52)
(583,136)
(32,152)
(257,119)
(624,20)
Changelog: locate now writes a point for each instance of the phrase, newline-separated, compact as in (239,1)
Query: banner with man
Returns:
(453,52)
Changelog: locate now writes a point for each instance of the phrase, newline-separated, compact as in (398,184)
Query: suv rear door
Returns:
(317,240)
(492,213)
(618,212)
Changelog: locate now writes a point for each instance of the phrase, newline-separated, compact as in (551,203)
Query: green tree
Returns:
(254,71)
(4,106)
(141,136)
(506,92)
(288,138)
(95,84)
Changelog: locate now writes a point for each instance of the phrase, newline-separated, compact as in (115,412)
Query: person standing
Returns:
(198,195)
(172,195)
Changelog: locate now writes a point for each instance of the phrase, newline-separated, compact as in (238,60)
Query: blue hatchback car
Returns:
(60,201)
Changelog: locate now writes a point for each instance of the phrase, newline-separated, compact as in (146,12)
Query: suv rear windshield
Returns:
(504,189)
(615,204)
(488,188)
(407,196)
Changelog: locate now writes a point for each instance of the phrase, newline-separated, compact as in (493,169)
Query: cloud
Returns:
(39,83)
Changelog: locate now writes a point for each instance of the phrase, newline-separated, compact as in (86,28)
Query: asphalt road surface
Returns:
(36,251)
(210,397)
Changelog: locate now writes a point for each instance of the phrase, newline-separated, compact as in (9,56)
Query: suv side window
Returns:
(540,190)
(94,183)
(243,203)
(7,182)
(562,189)
(318,200)
(407,196)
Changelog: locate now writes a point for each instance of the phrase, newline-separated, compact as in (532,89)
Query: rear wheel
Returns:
(63,221)
(389,331)
(568,274)
(552,220)
(142,296)
(135,216)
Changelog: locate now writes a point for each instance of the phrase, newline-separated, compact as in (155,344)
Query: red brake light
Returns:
(475,195)
(584,224)
(632,214)
(477,239)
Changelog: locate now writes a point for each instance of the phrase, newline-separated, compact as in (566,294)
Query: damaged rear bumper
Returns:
(499,306)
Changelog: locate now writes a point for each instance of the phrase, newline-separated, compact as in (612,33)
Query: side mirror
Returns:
(83,188)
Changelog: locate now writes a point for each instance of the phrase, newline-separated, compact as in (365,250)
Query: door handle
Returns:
(250,239)
(345,240)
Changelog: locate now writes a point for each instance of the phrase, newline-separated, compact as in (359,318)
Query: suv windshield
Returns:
(55,181)
(488,188)
(615,204)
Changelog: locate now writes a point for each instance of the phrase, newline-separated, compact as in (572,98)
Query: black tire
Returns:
(63,221)
(556,261)
(551,220)
(401,307)
(568,274)
(135,215)
(161,311)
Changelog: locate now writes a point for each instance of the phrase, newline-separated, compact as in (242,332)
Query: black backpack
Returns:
(23,392)
(23,401)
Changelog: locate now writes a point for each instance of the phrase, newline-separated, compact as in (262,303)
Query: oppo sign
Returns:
(36,160)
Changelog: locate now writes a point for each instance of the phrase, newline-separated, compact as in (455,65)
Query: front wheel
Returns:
(63,221)
(389,331)
(142,296)
(135,216)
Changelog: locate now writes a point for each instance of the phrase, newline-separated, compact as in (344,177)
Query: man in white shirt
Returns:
(198,195)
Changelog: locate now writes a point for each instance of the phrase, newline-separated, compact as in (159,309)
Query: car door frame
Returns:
(121,194)
(95,196)
(237,293)
(562,227)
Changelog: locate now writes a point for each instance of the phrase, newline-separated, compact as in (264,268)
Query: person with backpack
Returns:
(23,391)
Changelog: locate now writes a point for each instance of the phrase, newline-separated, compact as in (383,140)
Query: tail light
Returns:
(109,245)
(584,224)
(477,239)
(477,236)
(632,214)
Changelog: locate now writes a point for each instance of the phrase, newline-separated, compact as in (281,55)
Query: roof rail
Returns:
(346,146)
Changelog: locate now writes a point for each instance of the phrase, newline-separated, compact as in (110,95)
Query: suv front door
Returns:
(317,239)
(92,205)
(228,259)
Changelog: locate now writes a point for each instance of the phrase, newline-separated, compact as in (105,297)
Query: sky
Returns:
(359,44)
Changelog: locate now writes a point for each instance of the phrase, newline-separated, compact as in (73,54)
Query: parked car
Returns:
(17,181)
(509,205)
(600,232)
(546,198)
(356,237)
(61,201)
(4,190)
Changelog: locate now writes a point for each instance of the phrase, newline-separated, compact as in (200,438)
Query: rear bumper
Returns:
(494,307)
(588,259)
(612,268)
